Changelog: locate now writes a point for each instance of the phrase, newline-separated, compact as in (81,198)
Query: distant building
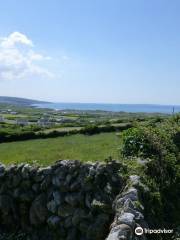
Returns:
(22,122)
(2,119)
(44,122)
(13,113)
(65,120)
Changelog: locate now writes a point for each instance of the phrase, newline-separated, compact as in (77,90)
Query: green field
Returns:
(46,151)
(61,129)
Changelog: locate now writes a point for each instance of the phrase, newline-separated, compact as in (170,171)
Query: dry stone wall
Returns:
(128,212)
(67,201)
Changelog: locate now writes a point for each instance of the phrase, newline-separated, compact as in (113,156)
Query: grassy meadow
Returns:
(46,151)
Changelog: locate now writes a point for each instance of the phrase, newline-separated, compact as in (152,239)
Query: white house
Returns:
(1,119)
(22,122)
(65,120)
(44,122)
(13,113)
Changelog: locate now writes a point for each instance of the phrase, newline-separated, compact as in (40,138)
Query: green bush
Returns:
(149,141)
(160,146)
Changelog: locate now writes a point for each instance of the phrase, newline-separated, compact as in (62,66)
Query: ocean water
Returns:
(133,108)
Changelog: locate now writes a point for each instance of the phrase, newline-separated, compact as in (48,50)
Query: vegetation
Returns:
(10,133)
(18,101)
(159,146)
(47,151)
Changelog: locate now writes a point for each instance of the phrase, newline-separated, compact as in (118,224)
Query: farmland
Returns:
(47,151)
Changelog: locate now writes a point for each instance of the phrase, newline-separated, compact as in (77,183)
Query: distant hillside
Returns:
(18,101)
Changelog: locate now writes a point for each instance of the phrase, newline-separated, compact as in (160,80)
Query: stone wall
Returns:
(128,212)
(69,201)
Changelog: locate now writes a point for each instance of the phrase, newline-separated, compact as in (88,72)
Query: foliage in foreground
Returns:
(159,146)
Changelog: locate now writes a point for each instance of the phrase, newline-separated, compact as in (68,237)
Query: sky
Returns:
(96,51)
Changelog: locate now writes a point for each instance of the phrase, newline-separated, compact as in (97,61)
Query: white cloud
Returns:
(37,57)
(18,60)
(14,38)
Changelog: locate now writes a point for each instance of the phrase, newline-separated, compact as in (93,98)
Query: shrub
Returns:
(160,146)
(149,142)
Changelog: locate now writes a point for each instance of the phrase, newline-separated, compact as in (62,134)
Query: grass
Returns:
(13,116)
(61,129)
(46,151)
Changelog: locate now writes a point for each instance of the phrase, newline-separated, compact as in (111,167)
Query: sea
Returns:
(131,108)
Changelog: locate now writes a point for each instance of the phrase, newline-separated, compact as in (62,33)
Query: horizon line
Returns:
(109,103)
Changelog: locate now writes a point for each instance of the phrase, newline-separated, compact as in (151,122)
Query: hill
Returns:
(19,101)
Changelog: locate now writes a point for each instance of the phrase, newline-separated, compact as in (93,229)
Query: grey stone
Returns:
(26,184)
(57,197)
(53,221)
(65,210)
(78,216)
(26,171)
(45,171)
(16,180)
(127,218)
(56,181)
(134,180)
(36,187)
(45,183)
(72,234)
(6,204)
(38,210)
(52,206)
(88,200)
(121,232)
(68,178)
(98,229)
(68,222)
(26,196)
(2,170)
(73,199)
(98,205)
(38,177)
(75,186)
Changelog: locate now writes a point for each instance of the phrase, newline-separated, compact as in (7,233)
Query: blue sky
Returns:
(109,51)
